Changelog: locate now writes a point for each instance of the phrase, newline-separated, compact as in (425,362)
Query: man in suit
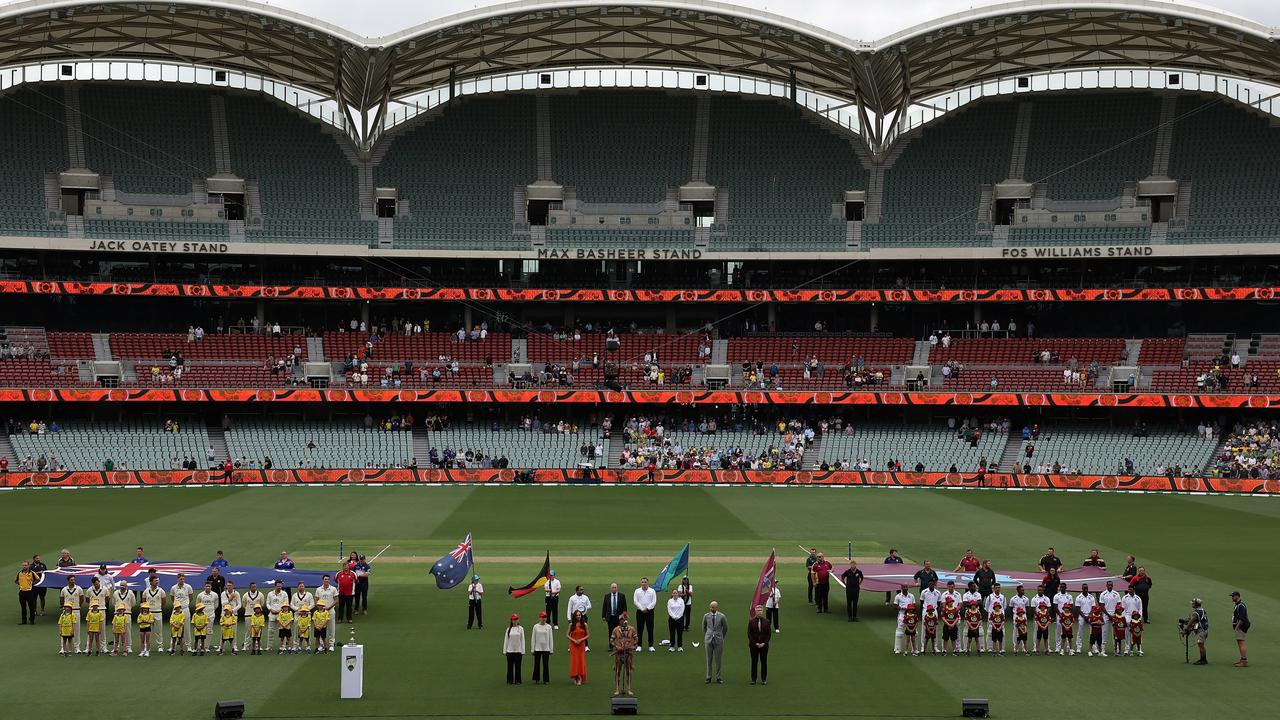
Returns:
(758,635)
(715,626)
(612,606)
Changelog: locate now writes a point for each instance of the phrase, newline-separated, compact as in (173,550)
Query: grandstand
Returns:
(140,444)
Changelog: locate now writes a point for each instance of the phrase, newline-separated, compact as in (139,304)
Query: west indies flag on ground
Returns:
(878,577)
(453,567)
(765,584)
(541,579)
(135,574)
(672,570)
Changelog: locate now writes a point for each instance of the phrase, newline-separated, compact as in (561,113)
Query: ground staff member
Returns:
(1198,624)
(26,581)
(1240,623)
(361,602)
(808,570)
(38,567)
(852,578)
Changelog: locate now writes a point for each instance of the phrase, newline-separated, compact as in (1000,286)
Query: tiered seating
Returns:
(221,375)
(1025,351)
(1226,153)
(339,444)
(603,237)
(31,146)
(38,373)
(523,448)
(782,174)
(937,447)
(457,172)
(1098,450)
(150,138)
(1184,380)
(1207,348)
(1088,147)
(473,375)
(1162,351)
(598,147)
(136,444)
(831,350)
(726,441)
(934,187)
(678,348)
(420,348)
(151,346)
(149,229)
(308,189)
(1118,235)
(1007,380)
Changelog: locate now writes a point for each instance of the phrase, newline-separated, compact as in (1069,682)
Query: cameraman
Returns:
(1197,624)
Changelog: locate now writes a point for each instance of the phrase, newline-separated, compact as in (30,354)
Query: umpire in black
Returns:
(852,579)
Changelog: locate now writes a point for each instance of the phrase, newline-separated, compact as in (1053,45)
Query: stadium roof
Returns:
(882,76)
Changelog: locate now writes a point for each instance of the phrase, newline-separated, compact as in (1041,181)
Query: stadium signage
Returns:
(159,246)
(1081,251)
(619,254)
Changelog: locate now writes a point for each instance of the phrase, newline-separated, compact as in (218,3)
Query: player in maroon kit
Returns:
(1042,628)
(1020,631)
(973,628)
(930,630)
(1117,629)
(996,621)
(1067,629)
(1096,620)
(909,622)
(950,627)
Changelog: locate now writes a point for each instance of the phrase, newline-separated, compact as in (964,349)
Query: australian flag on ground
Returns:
(134,574)
(454,567)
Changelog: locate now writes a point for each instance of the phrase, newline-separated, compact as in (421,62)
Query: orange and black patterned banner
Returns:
(320,292)
(406,476)
(645,397)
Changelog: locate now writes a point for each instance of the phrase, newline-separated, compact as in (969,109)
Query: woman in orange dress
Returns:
(578,637)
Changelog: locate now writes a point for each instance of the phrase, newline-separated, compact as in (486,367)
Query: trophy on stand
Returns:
(352,657)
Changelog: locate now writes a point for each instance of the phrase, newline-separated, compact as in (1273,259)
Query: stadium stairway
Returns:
(315,349)
(6,450)
(1012,452)
(217,440)
(102,347)
(720,351)
(921,355)
(1132,350)
(421,446)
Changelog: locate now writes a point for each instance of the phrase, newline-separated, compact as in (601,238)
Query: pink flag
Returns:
(765,586)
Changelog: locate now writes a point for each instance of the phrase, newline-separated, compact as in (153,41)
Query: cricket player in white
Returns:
(1131,603)
(230,599)
(252,597)
(328,592)
(72,595)
(123,597)
(153,597)
(181,594)
(901,601)
(1108,599)
(301,598)
(930,597)
(996,596)
(276,599)
(1020,600)
(956,599)
(209,599)
(1085,604)
(1060,600)
(102,594)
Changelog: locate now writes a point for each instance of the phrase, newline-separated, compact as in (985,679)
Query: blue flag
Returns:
(673,569)
(453,568)
(134,575)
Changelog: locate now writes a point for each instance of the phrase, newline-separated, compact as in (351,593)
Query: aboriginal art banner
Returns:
(486,476)
(887,578)
(134,574)
(455,294)
(699,396)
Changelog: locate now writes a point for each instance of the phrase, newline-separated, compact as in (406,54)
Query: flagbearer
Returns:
(475,598)
(153,598)
(73,595)
(123,598)
(553,600)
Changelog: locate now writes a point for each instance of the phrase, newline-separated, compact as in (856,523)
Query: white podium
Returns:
(352,657)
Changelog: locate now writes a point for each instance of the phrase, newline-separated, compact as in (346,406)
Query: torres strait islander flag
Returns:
(134,574)
(765,585)
(538,581)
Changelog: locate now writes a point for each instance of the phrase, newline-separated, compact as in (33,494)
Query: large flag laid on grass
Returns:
(541,579)
(134,574)
(672,570)
(453,568)
(765,585)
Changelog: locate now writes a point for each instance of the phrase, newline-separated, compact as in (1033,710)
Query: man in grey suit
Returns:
(715,626)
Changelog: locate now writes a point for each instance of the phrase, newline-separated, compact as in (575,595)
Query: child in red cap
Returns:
(909,622)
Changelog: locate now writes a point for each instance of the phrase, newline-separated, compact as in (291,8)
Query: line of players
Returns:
(301,622)
(1113,620)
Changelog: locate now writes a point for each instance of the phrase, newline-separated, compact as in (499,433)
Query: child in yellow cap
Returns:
(66,629)
(93,624)
(145,621)
(177,630)
(320,621)
(284,620)
(120,630)
(200,629)
(228,623)
(304,629)
(256,624)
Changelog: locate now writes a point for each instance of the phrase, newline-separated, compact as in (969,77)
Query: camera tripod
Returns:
(1186,648)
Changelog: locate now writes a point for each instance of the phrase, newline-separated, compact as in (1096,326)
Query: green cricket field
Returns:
(422,662)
